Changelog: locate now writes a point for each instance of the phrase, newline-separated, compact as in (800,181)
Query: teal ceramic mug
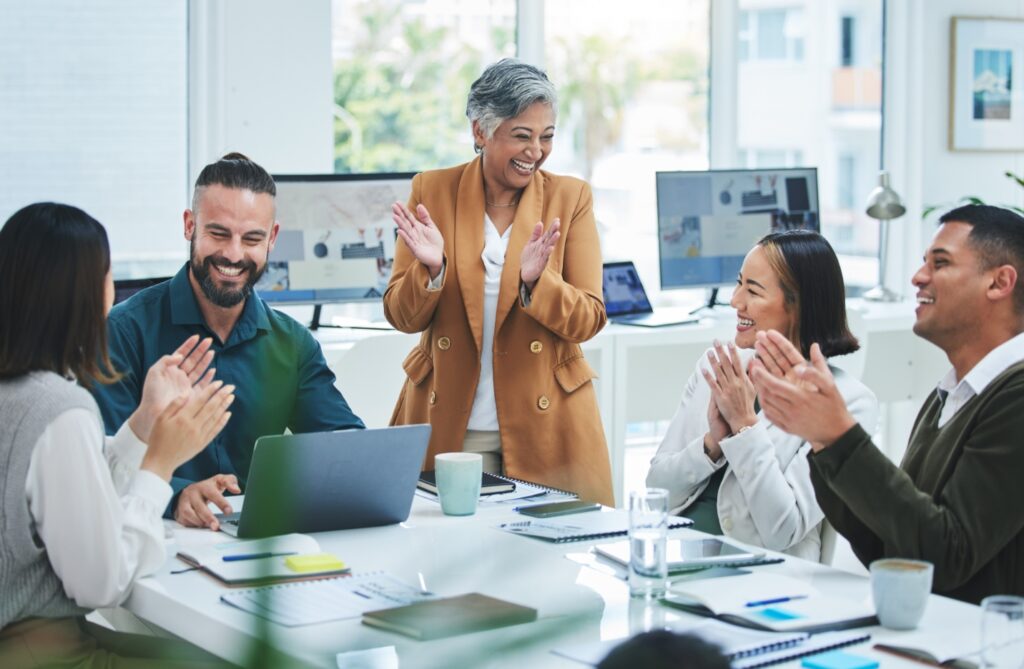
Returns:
(458,478)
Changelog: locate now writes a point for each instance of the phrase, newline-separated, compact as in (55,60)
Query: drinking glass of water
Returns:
(1002,632)
(648,532)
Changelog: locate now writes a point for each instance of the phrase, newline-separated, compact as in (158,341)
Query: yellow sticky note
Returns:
(305,564)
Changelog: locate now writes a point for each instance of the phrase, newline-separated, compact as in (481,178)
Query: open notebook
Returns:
(258,561)
(769,602)
(580,527)
(746,648)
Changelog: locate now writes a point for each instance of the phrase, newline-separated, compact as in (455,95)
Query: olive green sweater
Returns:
(957,500)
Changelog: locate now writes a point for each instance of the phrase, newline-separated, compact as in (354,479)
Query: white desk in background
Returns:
(452,555)
(642,371)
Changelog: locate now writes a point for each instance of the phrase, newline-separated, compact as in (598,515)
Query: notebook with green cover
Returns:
(451,616)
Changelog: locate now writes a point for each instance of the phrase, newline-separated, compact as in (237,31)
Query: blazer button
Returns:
(726,524)
(543,402)
(444,343)
(433,397)
(536,346)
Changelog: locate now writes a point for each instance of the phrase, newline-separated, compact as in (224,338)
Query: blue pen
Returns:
(254,556)
(777,600)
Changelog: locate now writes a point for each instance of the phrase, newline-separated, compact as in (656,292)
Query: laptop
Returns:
(325,481)
(625,299)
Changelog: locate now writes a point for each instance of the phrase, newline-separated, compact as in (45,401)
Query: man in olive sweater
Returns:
(957,499)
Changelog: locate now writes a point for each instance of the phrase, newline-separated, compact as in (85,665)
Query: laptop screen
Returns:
(623,292)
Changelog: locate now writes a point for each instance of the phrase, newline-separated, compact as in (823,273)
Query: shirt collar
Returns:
(185,308)
(988,368)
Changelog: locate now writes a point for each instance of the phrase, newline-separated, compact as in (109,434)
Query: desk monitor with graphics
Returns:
(325,481)
(337,239)
(626,302)
(708,221)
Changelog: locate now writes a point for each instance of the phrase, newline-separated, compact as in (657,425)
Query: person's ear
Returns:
(190,224)
(273,236)
(479,137)
(1003,282)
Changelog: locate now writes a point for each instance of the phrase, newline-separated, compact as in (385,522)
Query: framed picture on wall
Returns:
(986,96)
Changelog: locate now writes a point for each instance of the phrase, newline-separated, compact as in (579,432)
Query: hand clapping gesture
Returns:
(800,398)
(731,389)
(537,251)
(172,376)
(420,235)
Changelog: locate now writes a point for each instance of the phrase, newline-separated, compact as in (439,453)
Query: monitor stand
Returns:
(711,303)
(315,323)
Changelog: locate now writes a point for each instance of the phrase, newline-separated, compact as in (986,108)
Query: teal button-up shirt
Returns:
(281,377)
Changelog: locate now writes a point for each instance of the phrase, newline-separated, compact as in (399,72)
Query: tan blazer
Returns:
(551,431)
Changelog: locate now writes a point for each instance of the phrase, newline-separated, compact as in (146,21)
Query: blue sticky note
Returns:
(837,659)
(775,614)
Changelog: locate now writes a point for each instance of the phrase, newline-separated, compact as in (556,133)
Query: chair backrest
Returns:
(828,542)
(370,375)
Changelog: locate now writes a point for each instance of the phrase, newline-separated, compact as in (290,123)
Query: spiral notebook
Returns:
(581,527)
(311,602)
(745,648)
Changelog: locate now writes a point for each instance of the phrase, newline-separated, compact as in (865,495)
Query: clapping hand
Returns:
(537,251)
(170,377)
(420,235)
(186,426)
(801,399)
(731,389)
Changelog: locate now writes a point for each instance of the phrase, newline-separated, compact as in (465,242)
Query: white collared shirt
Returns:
(96,512)
(484,414)
(975,381)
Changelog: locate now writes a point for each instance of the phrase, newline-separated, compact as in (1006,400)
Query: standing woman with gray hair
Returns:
(499,266)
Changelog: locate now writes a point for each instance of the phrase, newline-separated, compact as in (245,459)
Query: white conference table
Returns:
(456,555)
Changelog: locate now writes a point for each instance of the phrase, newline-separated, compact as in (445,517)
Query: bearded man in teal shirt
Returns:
(281,378)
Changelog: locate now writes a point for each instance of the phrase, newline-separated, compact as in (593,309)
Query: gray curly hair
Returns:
(504,91)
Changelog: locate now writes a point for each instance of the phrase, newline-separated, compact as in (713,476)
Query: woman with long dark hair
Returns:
(726,467)
(80,513)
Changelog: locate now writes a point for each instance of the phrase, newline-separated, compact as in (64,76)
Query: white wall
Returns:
(924,170)
(262,83)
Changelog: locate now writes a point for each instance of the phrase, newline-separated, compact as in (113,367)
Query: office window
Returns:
(771,34)
(402,70)
(845,178)
(761,158)
(817,107)
(94,114)
(633,90)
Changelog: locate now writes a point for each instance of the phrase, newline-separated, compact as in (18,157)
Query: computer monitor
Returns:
(337,239)
(125,288)
(708,221)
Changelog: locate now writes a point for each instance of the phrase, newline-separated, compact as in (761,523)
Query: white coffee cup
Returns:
(458,477)
(900,589)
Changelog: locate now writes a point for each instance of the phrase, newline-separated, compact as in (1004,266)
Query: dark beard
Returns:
(223,297)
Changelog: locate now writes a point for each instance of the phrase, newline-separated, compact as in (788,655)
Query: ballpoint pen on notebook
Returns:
(255,556)
(775,600)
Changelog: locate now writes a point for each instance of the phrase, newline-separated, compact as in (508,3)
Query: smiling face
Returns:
(231,233)
(951,287)
(759,301)
(517,149)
